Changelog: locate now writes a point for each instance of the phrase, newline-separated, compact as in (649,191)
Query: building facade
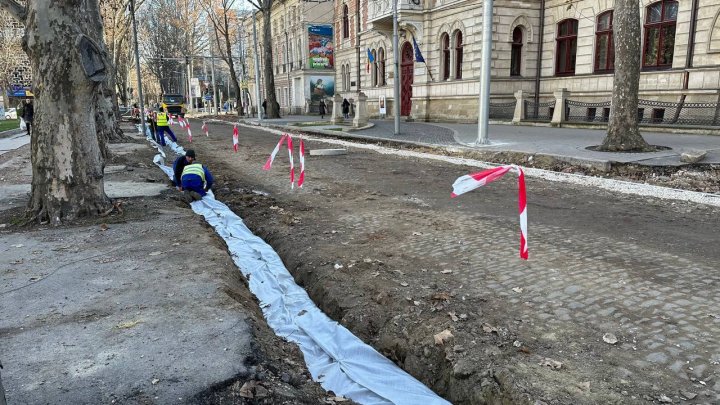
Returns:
(539,48)
(303,54)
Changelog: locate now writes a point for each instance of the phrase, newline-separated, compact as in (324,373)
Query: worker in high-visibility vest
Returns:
(163,125)
(196,179)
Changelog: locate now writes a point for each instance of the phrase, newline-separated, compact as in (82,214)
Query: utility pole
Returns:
(212,71)
(137,68)
(287,63)
(243,79)
(257,69)
(484,100)
(189,84)
(396,57)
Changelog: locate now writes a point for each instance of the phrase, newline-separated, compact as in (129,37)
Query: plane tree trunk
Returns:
(73,113)
(272,104)
(623,133)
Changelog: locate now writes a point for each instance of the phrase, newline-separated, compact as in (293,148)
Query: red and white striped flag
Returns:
(472,181)
(275,151)
(236,141)
(205,128)
(189,133)
(301,179)
(170,117)
(292,165)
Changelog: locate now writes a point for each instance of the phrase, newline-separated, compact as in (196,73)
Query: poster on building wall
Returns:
(321,87)
(320,40)
(383,109)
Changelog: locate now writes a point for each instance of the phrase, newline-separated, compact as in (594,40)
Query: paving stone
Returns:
(657,357)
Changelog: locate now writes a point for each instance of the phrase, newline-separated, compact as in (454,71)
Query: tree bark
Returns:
(73,110)
(271,97)
(623,133)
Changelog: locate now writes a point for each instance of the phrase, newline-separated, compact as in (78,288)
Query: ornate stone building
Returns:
(680,56)
(303,53)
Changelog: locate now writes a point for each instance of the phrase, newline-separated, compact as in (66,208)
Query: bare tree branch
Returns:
(254,4)
(15,9)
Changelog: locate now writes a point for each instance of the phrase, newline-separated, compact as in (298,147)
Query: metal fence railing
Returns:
(649,113)
(502,111)
(576,111)
(544,112)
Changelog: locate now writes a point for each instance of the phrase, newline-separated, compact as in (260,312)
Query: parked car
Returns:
(11,114)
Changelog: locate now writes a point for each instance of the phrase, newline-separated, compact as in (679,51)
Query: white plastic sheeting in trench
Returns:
(335,357)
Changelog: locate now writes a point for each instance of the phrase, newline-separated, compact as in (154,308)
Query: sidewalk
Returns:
(144,306)
(563,143)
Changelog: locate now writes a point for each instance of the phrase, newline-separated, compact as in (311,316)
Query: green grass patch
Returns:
(9,124)
(335,129)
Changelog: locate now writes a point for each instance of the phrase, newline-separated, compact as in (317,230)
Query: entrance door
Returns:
(406,77)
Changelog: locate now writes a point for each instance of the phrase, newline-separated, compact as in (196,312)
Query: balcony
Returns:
(380,11)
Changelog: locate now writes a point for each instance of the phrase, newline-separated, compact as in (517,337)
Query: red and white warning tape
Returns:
(274,153)
(205,128)
(271,159)
(236,141)
(301,180)
(292,162)
(470,182)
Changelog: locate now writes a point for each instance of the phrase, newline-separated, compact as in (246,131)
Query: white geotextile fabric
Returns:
(334,356)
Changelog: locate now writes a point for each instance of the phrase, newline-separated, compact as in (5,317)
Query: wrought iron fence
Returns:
(544,111)
(668,113)
(649,112)
(500,111)
(576,111)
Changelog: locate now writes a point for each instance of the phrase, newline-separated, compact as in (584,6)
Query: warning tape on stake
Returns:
(271,159)
(470,182)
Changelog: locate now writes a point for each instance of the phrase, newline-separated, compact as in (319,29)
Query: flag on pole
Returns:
(205,128)
(189,133)
(370,59)
(470,182)
(418,54)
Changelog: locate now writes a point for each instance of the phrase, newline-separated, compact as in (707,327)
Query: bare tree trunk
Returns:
(623,133)
(272,104)
(73,110)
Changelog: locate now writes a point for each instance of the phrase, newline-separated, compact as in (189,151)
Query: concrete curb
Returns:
(11,132)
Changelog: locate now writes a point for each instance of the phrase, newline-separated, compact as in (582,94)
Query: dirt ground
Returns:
(382,249)
(164,357)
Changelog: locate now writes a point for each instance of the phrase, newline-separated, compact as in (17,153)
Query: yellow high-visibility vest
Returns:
(195,168)
(162,119)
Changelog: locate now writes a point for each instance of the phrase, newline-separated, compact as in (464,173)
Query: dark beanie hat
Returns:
(190,153)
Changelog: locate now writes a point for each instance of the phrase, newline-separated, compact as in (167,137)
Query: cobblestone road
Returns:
(642,269)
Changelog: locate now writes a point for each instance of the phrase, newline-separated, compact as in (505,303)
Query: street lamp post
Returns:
(396,81)
(137,68)
(484,99)
(257,69)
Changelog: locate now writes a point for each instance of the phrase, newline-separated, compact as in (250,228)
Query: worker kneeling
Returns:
(195,180)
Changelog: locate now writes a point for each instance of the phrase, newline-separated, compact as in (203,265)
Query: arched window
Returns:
(604,49)
(345,22)
(445,58)
(458,54)
(660,34)
(566,47)
(374,71)
(347,77)
(516,53)
(381,67)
